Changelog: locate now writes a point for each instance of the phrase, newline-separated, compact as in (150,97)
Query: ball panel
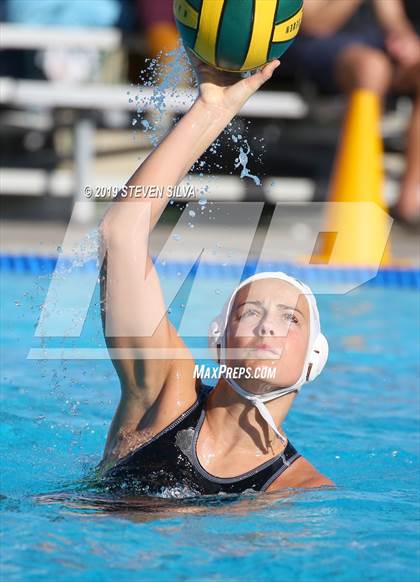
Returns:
(234,26)
(196,4)
(288,29)
(185,13)
(278,48)
(238,35)
(264,13)
(208,26)
(286,9)
(188,35)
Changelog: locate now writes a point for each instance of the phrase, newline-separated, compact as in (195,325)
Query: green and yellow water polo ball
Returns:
(238,35)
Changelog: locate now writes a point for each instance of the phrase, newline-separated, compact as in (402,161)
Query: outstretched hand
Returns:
(228,90)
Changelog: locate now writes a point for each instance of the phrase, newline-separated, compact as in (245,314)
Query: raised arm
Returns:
(326,17)
(132,300)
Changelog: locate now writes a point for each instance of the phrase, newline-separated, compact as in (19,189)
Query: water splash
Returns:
(82,253)
(165,75)
(242,160)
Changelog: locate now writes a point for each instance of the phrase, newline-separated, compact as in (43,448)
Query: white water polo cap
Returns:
(316,355)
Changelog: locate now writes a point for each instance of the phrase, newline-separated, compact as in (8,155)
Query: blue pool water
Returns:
(358,423)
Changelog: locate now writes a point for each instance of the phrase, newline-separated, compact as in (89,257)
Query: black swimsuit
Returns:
(169,460)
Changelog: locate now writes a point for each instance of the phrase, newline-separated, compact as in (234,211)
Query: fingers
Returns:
(220,77)
(269,69)
(264,74)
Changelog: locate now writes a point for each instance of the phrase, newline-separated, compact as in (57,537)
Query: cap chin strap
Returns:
(258,402)
(259,399)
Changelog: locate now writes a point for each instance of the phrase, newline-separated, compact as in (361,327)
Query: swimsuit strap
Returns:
(203,392)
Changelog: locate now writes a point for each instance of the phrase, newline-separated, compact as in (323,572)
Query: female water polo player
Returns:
(169,429)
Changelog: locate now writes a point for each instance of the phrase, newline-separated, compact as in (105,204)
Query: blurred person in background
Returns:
(354,44)
(158,21)
(161,32)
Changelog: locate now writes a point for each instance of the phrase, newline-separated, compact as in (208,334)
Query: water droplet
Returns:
(191,213)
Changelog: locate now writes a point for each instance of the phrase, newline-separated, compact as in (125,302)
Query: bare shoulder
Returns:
(300,474)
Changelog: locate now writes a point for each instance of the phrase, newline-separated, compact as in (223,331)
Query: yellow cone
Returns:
(356,234)
(162,36)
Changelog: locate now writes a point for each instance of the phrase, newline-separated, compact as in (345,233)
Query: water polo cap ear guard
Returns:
(316,356)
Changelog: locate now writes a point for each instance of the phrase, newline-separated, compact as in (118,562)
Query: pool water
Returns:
(358,424)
